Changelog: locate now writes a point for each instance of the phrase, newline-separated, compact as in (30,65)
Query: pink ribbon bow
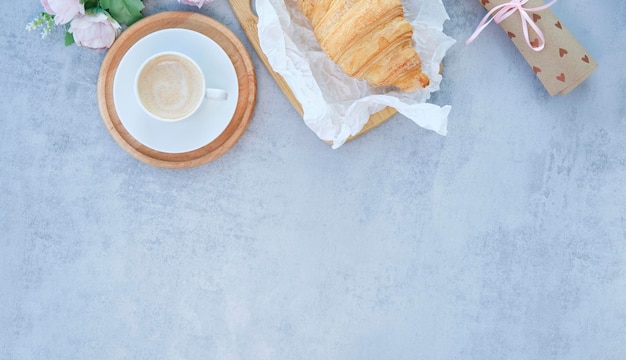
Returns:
(503,11)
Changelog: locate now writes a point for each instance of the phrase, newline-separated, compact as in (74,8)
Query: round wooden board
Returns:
(245,76)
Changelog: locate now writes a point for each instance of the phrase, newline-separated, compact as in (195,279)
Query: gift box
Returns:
(559,61)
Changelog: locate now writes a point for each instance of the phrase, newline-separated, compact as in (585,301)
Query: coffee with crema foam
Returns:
(170,86)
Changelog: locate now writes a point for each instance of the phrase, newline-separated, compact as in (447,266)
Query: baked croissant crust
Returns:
(368,39)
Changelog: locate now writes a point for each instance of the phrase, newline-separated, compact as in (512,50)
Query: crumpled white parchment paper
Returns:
(335,105)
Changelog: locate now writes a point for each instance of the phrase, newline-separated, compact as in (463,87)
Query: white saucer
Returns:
(207,123)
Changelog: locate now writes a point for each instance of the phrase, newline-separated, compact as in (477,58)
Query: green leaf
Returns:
(89,4)
(69,38)
(123,11)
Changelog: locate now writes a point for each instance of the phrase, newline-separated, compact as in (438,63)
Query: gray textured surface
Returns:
(503,240)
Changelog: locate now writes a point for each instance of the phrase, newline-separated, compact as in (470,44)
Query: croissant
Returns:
(368,39)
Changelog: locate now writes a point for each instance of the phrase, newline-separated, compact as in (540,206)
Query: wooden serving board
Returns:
(235,50)
(249,21)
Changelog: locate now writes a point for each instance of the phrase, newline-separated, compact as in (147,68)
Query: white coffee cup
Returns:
(170,86)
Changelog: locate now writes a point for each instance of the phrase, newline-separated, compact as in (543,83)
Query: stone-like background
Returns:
(503,240)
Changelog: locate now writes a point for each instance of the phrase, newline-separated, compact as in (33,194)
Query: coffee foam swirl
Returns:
(170,86)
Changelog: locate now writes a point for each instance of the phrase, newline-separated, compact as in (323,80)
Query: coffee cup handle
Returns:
(216,94)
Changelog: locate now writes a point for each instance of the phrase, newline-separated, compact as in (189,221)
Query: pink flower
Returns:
(94,31)
(197,3)
(63,10)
